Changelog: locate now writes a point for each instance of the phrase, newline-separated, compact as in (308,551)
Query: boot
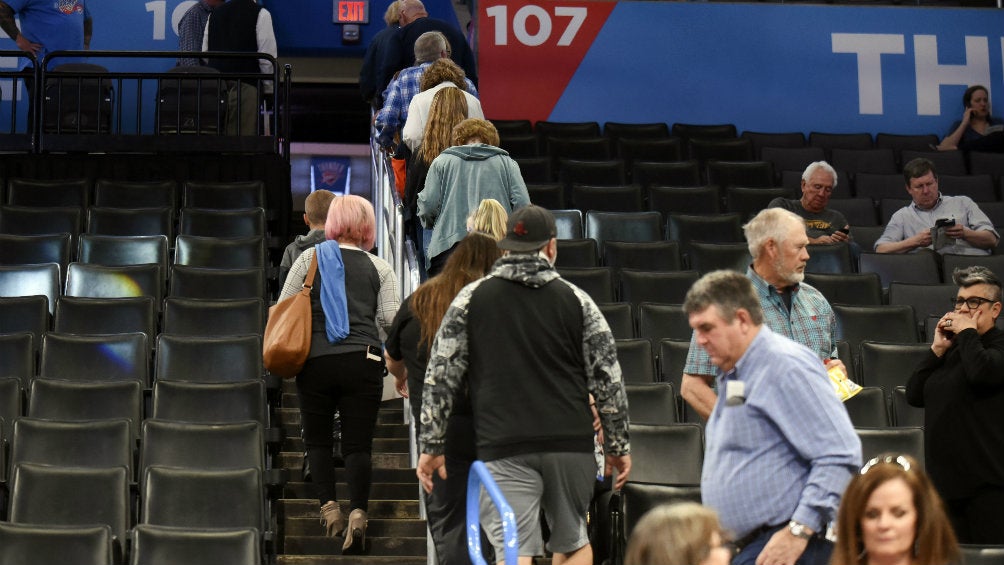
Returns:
(355,534)
(331,519)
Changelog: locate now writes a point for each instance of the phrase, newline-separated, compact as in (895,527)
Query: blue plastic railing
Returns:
(478,477)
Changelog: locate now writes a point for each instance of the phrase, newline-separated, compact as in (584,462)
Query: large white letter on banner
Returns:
(869,48)
(931,75)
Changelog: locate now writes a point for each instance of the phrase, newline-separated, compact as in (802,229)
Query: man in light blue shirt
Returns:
(970,231)
(780,448)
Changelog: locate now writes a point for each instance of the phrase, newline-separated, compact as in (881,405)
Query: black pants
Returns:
(979,518)
(446,506)
(353,385)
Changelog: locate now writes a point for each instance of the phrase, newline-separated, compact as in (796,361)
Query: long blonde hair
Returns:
(489,218)
(449,108)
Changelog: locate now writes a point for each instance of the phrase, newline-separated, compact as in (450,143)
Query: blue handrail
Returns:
(479,476)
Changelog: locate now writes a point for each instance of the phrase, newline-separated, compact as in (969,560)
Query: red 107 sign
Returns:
(527,53)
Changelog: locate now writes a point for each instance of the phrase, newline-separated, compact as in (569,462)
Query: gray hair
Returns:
(429,45)
(771,223)
(813,167)
(974,275)
(729,291)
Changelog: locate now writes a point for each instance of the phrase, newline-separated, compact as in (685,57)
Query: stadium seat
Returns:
(48,193)
(25,314)
(898,142)
(657,150)
(706,257)
(203,282)
(667,454)
(830,258)
(792,158)
(213,317)
(925,299)
(35,249)
(658,320)
(209,402)
(748,202)
(688,200)
(878,441)
(672,360)
(653,130)
(49,545)
(903,414)
(131,221)
(919,268)
(597,282)
(31,280)
(945,162)
(96,316)
(248,222)
(830,141)
(568,224)
(663,287)
(978,187)
(218,358)
(93,444)
(220,253)
(115,193)
(87,401)
(867,408)
(577,253)
(118,281)
(751,174)
(625,198)
(679,173)
(890,324)
(653,403)
(223,195)
(114,357)
(623,226)
(889,365)
(642,255)
(761,140)
(857,211)
(855,161)
(620,319)
(17,356)
(165,545)
(636,360)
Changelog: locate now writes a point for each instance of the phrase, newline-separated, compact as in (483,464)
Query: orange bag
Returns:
(286,342)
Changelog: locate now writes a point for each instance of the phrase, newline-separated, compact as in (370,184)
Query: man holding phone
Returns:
(822,224)
(946,224)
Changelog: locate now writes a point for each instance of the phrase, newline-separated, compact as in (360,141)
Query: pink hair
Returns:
(351,220)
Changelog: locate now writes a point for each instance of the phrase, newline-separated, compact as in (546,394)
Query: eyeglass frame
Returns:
(958,302)
(899,460)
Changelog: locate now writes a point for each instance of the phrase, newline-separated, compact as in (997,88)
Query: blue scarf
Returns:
(333,301)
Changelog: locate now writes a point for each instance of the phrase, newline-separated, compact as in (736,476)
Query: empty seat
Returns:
(761,140)
(234,445)
(657,321)
(636,360)
(577,253)
(867,408)
(660,150)
(513,127)
(978,187)
(568,224)
(945,162)
(96,316)
(864,289)
(77,100)
(119,250)
(193,498)
(220,253)
(620,319)
(857,211)
(208,358)
(792,158)
(898,142)
(25,314)
(550,196)
(46,193)
(666,287)
(224,195)
(209,402)
(642,255)
(85,401)
(879,186)
(925,299)
(830,141)
(596,173)
(53,545)
(830,258)
(11,408)
(28,220)
(706,257)
(545,129)
(116,357)
(952,261)
(222,223)
(203,282)
(754,174)
(748,202)
(597,282)
(889,365)
(191,105)
(31,280)
(535,169)
(878,441)
(689,200)
(889,206)
(70,496)
(623,226)
(709,149)
(904,415)
(673,358)
(17,356)
(901,267)
(131,221)
(692,131)
(653,403)
(892,324)
(93,444)
(636,499)
(854,161)
(519,146)
(114,193)
(119,281)
(577,148)
(679,173)
(626,198)
(651,130)
(35,249)
(866,236)
(213,317)
(164,545)
(667,454)
(711,228)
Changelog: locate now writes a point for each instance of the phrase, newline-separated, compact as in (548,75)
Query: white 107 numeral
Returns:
(519,28)
(159,9)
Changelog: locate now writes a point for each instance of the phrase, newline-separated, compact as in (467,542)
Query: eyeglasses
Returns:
(973,302)
(895,460)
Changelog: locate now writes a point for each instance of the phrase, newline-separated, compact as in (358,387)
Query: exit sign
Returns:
(351,11)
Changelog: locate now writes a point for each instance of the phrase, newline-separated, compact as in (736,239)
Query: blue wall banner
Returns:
(763,67)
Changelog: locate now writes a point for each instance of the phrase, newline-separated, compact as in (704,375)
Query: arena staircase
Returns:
(396,534)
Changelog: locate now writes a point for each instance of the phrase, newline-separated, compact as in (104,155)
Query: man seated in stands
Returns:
(822,224)
(946,224)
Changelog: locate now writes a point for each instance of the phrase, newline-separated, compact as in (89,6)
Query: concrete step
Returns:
(375,545)
(381,509)
(379,474)
(293,460)
(290,417)
(378,490)
(380,444)
(306,526)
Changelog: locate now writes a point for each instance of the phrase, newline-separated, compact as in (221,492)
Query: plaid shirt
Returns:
(390,119)
(190,30)
(811,322)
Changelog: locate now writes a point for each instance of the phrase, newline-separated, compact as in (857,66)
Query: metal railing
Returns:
(478,477)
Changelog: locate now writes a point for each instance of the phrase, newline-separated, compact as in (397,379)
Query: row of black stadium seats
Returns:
(113,193)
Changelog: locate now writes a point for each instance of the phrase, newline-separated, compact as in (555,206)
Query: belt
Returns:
(739,544)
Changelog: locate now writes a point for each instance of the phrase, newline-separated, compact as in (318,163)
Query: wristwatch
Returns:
(799,530)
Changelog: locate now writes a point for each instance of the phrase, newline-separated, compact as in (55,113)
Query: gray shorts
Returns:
(559,483)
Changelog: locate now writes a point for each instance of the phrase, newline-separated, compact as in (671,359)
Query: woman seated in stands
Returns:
(489,218)
(470,171)
(891,515)
(354,296)
(973,131)
(408,345)
(678,534)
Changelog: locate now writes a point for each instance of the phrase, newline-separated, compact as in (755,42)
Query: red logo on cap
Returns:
(519,228)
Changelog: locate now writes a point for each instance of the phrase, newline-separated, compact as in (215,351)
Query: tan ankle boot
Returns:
(355,534)
(331,519)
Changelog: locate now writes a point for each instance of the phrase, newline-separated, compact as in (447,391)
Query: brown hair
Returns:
(449,107)
(351,218)
(934,540)
(316,206)
(673,534)
(473,257)
(440,71)
(475,128)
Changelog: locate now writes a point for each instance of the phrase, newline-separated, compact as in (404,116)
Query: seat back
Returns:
(31,280)
(163,545)
(759,174)
(96,316)
(70,496)
(228,195)
(203,282)
(49,545)
(867,408)
(919,268)
(857,211)
(945,162)
(876,160)
(712,228)
(568,224)
(77,99)
(651,130)
(213,317)
(658,150)
(925,299)
(219,253)
(620,318)
(208,358)
(952,261)
(120,250)
(668,455)
(878,441)
(25,314)
(48,193)
(191,105)
(119,281)
(35,249)
(17,356)
(636,360)
(679,173)
(222,223)
(663,321)
(115,357)
(114,193)
(890,324)
(653,403)
(666,287)
(829,258)
(904,415)
(577,253)
(689,200)
(623,226)
(131,221)
(29,220)
(707,257)
(792,158)
(642,255)
(209,402)
(748,202)
(638,498)
(98,443)
(624,198)
(234,445)
(888,365)
(597,282)
(193,498)
(84,401)
(672,359)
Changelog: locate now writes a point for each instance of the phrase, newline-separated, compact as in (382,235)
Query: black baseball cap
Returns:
(528,229)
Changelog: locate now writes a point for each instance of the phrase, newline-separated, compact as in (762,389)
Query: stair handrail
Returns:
(480,476)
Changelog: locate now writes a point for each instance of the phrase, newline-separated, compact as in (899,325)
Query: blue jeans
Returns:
(816,553)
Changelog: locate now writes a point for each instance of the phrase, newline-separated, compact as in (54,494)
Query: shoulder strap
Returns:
(308,282)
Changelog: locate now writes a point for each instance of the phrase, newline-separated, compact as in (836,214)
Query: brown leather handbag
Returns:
(287,334)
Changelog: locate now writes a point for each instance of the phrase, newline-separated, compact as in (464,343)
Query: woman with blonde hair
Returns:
(489,218)
(678,534)
(891,515)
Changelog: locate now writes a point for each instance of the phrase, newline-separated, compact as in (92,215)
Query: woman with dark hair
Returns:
(976,124)
(891,515)
(353,297)
(960,385)
(408,345)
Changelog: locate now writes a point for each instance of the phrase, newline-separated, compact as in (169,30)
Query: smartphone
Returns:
(845,230)
(944,222)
